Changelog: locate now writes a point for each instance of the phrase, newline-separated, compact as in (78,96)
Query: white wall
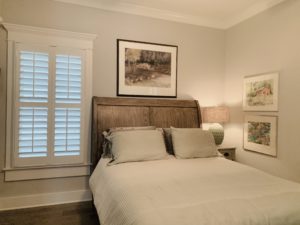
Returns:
(267,42)
(200,62)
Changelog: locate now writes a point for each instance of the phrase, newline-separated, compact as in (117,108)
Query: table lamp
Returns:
(216,115)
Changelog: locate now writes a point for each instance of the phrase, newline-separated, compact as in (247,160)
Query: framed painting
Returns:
(146,69)
(260,134)
(261,92)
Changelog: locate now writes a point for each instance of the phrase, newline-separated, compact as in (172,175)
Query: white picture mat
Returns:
(268,150)
(256,78)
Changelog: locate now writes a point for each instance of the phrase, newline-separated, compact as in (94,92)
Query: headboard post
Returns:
(128,112)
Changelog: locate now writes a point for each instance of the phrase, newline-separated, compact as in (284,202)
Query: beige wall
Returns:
(1,7)
(267,42)
(200,61)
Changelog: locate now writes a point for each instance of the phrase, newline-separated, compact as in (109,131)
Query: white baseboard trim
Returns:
(28,201)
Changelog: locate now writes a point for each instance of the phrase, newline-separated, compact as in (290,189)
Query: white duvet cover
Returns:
(206,191)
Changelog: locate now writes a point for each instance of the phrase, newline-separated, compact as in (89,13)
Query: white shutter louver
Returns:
(68,79)
(33,125)
(33,83)
(67,132)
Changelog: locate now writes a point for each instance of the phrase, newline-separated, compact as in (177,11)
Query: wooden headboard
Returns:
(130,112)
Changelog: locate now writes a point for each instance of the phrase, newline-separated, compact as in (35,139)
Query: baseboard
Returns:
(28,201)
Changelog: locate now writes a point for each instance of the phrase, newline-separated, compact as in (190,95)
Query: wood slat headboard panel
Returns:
(130,112)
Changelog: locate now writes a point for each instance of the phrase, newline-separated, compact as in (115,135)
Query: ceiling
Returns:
(211,13)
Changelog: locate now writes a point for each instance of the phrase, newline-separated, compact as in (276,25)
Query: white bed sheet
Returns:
(206,191)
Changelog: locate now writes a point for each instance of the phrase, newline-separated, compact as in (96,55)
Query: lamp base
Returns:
(218,132)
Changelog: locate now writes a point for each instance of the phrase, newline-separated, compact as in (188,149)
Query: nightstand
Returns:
(227,152)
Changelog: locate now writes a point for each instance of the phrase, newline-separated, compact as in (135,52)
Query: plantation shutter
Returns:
(68,79)
(48,106)
(68,99)
(33,121)
(67,132)
(34,72)
(33,132)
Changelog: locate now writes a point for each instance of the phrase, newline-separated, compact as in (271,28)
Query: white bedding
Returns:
(203,191)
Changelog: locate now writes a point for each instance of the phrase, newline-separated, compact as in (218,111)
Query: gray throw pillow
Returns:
(193,143)
(137,145)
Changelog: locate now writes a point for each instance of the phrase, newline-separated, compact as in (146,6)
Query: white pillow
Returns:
(137,145)
(193,143)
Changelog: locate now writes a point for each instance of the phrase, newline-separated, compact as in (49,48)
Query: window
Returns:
(49,105)
(49,98)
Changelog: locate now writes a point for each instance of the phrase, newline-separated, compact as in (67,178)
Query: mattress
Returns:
(203,191)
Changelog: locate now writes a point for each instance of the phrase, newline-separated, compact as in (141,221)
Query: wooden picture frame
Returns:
(260,134)
(146,69)
(261,92)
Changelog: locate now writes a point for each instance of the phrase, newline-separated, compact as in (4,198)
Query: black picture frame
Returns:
(146,69)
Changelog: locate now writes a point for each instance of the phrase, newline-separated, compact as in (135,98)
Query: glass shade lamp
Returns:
(216,116)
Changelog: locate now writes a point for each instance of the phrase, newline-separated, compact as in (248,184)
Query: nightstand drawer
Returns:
(228,153)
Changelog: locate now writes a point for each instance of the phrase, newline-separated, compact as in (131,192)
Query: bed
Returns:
(197,191)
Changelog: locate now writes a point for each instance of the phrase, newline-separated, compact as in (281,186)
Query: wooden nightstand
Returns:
(227,152)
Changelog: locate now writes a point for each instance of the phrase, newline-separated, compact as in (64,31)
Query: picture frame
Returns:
(146,69)
(261,92)
(260,134)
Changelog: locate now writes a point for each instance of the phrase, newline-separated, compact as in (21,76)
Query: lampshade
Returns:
(219,114)
(216,115)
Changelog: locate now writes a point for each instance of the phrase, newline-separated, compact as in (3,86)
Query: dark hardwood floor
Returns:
(82,213)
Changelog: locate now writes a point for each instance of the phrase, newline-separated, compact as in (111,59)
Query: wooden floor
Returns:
(82,213)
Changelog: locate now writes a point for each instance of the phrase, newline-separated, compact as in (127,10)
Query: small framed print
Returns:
(260,134)
(261,92)
(146,69)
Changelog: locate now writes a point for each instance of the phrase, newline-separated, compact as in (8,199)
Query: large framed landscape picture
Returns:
(146,69)
(261,92)
(260,134)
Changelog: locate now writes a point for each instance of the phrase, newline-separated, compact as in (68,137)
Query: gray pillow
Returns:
(106,145)
(193,143)
(137,145)
(168,140)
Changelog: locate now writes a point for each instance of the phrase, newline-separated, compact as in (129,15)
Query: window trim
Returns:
(33,173)
(62,40)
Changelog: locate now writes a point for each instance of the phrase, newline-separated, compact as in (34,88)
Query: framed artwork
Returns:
(146,69)
(261,92)
(260,134)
